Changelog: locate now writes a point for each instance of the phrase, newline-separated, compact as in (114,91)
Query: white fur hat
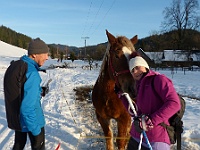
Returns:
(137,61)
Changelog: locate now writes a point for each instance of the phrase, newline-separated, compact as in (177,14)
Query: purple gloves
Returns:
(143,123)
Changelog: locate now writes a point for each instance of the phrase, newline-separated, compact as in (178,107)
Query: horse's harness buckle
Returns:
(115,74)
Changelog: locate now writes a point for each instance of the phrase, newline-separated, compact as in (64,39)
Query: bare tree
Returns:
(179,17)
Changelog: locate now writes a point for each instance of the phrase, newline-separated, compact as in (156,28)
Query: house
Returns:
(181,58)
(175,58)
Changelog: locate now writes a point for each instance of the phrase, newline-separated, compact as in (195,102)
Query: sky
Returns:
(72,22)
(73,123)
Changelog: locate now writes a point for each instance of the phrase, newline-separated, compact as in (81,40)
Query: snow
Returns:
(15,51)
(67,123)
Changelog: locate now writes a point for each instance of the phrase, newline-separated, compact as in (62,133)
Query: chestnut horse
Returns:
(114,70)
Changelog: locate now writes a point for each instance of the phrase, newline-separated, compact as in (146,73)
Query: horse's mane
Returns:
(105,59)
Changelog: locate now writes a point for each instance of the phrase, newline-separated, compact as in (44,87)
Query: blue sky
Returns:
(69,21)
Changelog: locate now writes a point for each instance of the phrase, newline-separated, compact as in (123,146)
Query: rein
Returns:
(116,74)
(134,109)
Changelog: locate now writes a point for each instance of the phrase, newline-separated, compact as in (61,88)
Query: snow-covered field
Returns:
(73,124)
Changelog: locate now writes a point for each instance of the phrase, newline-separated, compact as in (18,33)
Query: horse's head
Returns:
(120,48)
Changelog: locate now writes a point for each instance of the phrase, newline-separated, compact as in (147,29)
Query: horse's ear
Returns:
(111,38)
(134,40)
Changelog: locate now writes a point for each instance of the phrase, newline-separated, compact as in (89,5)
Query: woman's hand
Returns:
(143,123)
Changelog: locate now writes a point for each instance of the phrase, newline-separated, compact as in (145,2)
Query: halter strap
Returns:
(116,74)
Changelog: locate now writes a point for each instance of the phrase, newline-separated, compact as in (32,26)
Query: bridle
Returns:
(116,73)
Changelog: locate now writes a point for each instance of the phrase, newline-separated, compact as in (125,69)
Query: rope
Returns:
(127,138)
(143,132)
(104,137)
(70,110)
(73,118)
(140,144)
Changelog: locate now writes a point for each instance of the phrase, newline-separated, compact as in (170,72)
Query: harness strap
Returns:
(20,80)
(178,135)
(116,74)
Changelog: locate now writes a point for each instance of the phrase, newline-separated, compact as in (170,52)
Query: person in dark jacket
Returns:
(31,117)
(153,108)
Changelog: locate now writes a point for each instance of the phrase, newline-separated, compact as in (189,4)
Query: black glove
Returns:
(45,90)
(143,122)
(116,89)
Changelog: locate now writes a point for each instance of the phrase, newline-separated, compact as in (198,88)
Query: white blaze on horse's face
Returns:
(126,51)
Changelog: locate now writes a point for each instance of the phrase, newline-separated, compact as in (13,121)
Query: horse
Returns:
(114,71)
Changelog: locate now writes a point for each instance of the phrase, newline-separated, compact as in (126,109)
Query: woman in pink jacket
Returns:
(156,104)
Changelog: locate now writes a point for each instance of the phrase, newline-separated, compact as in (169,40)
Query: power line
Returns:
(104,16)
(86,23)
(95,16)
(87,17)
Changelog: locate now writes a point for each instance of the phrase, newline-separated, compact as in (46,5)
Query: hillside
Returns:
(153,43)
(169,40)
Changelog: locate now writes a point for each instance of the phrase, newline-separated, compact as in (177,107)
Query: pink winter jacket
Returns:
(160,108)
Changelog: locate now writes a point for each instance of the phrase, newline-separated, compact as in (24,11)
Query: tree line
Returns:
(12,37)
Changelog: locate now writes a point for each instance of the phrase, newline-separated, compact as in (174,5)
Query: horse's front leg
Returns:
(124,125)
(106,126)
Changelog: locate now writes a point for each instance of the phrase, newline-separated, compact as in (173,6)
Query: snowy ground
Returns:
(73,124)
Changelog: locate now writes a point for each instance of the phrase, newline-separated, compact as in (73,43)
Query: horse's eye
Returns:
(117,54)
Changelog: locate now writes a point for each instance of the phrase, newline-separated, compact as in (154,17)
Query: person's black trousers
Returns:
(37,142)
(133,145)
